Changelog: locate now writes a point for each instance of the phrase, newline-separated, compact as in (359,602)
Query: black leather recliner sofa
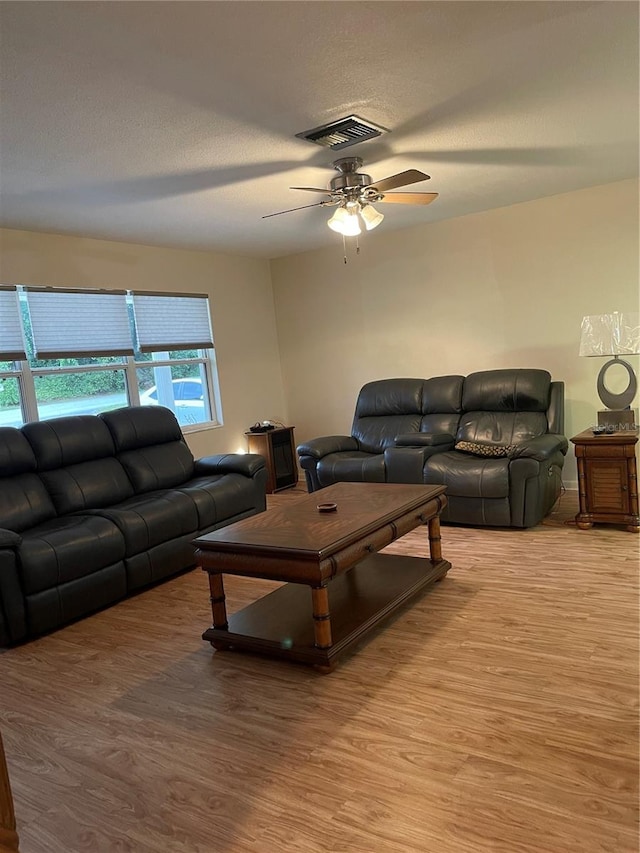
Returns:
(94,507)
(494,439)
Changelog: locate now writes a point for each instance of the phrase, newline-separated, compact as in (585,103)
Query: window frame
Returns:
(25,374)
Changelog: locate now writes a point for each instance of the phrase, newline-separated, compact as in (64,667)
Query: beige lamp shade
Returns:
(610,334)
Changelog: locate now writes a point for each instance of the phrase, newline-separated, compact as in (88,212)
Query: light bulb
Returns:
(345,223)
(371,217)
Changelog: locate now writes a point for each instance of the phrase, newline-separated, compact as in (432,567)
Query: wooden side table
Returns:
(607,479)
(278,448)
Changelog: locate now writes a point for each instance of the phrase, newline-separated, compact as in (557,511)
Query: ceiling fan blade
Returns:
(291,209)
(408,198)
(311,190)
(402,179)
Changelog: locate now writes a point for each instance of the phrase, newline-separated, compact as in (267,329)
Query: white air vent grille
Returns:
(342,133)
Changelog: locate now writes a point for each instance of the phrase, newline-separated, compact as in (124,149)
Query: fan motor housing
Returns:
(346,182)
(349,177)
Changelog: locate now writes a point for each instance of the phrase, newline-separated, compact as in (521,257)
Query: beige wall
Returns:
(504,288)
(241,302)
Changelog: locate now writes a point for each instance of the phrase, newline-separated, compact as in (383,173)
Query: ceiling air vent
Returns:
(342,133)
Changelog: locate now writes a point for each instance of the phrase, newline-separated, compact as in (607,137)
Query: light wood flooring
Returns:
(497,714)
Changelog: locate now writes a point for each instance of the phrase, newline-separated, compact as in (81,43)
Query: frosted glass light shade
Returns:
(345,223)
(372,217)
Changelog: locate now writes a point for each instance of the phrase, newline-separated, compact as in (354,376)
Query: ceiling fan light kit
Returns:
(345,222)
(353,192)
(345,219)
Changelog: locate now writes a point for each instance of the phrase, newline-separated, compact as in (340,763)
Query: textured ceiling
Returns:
(174,123)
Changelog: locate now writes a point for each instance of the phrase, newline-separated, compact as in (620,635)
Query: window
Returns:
(70,352)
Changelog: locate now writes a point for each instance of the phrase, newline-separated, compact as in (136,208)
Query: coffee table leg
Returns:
(321,617)
(218,602)
(435,546)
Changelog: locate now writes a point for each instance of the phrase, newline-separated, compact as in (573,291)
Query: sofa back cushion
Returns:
(76,462)
(441,404)
(504,406)
(386,408)
(24,501)
(150,446)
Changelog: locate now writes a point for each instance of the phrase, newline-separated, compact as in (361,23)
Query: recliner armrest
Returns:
(13,617)
(230,463)
(9,539)
(406,464)
(424,439)
(541,447)
(319,447)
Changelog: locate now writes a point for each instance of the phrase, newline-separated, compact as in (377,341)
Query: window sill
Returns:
(187,430)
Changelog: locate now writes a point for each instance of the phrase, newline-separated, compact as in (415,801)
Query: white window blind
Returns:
(79,323)
(171,321)
(11,340)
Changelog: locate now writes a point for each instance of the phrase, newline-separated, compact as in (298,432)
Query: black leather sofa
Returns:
(95,507)
(494,439)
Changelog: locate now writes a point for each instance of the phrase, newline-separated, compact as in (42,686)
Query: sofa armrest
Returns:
(319,447)
(9,539)
(230,463)
(13,617)
(425,439)
(541,447)
(406,464)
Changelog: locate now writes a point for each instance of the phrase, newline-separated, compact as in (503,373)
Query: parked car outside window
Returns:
(186,392)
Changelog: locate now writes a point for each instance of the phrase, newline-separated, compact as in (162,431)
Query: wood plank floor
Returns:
(497,714)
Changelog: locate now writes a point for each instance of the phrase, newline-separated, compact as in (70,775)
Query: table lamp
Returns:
(614,335)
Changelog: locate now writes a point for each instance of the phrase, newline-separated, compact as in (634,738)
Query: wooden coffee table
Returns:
(335,554)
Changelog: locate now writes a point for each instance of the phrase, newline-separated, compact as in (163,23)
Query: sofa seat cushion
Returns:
(219,497)
(351,466)
(151,519)
(468,476)
(65,549)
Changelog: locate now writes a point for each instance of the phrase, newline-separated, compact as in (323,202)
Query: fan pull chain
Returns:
(357,246)
(344,248)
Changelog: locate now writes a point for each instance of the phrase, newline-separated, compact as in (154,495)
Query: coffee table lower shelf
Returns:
(281,625)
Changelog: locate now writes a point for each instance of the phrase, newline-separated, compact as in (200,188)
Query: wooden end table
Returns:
(352,587)
(607,479)
(279,450)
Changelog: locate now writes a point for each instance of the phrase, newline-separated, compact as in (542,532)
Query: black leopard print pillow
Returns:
(480,449)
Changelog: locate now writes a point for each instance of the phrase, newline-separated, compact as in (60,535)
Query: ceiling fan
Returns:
(353,192)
